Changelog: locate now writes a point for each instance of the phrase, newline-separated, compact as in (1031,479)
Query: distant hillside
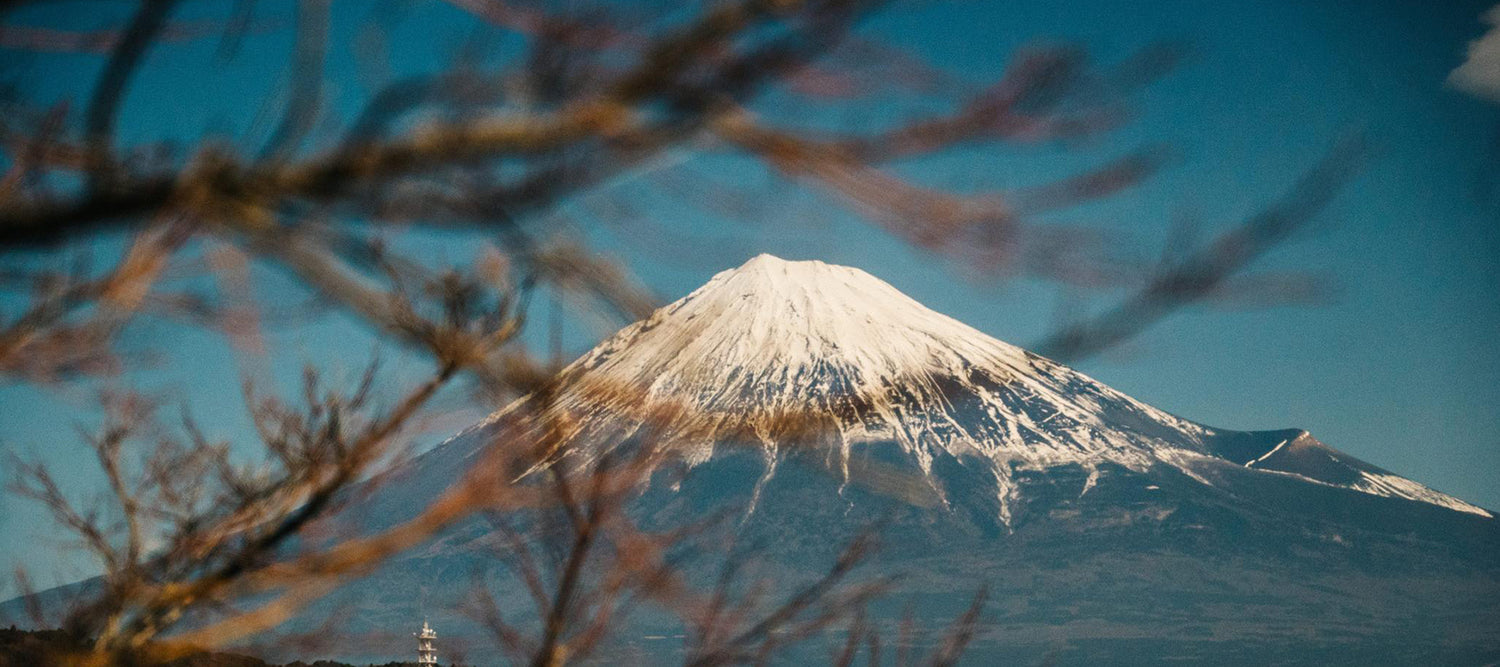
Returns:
(28,648)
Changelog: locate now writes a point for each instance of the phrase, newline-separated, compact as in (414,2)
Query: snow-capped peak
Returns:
(776,354)
(762,351)
(776,333)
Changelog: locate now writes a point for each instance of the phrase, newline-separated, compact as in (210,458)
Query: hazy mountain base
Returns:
(1257,568)
(1140,568)
(1254,566)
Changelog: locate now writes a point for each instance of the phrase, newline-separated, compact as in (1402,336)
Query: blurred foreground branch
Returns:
(99,235)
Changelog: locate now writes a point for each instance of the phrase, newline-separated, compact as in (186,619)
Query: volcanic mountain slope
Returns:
(812,401)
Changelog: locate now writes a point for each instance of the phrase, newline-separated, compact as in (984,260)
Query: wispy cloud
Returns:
(1480,74)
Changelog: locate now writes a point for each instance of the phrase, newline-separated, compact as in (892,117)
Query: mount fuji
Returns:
(774,342)
(811,401)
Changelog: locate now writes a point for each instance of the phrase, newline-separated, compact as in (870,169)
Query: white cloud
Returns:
(1480,74)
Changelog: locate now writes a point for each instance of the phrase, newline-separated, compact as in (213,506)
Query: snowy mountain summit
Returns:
(798,357)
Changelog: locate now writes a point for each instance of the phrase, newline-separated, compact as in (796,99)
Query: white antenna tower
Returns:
(426,654)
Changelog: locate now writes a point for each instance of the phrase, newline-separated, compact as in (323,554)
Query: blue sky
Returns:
(1399,367)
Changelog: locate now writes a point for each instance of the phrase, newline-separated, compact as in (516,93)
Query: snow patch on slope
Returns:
(1384,484)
